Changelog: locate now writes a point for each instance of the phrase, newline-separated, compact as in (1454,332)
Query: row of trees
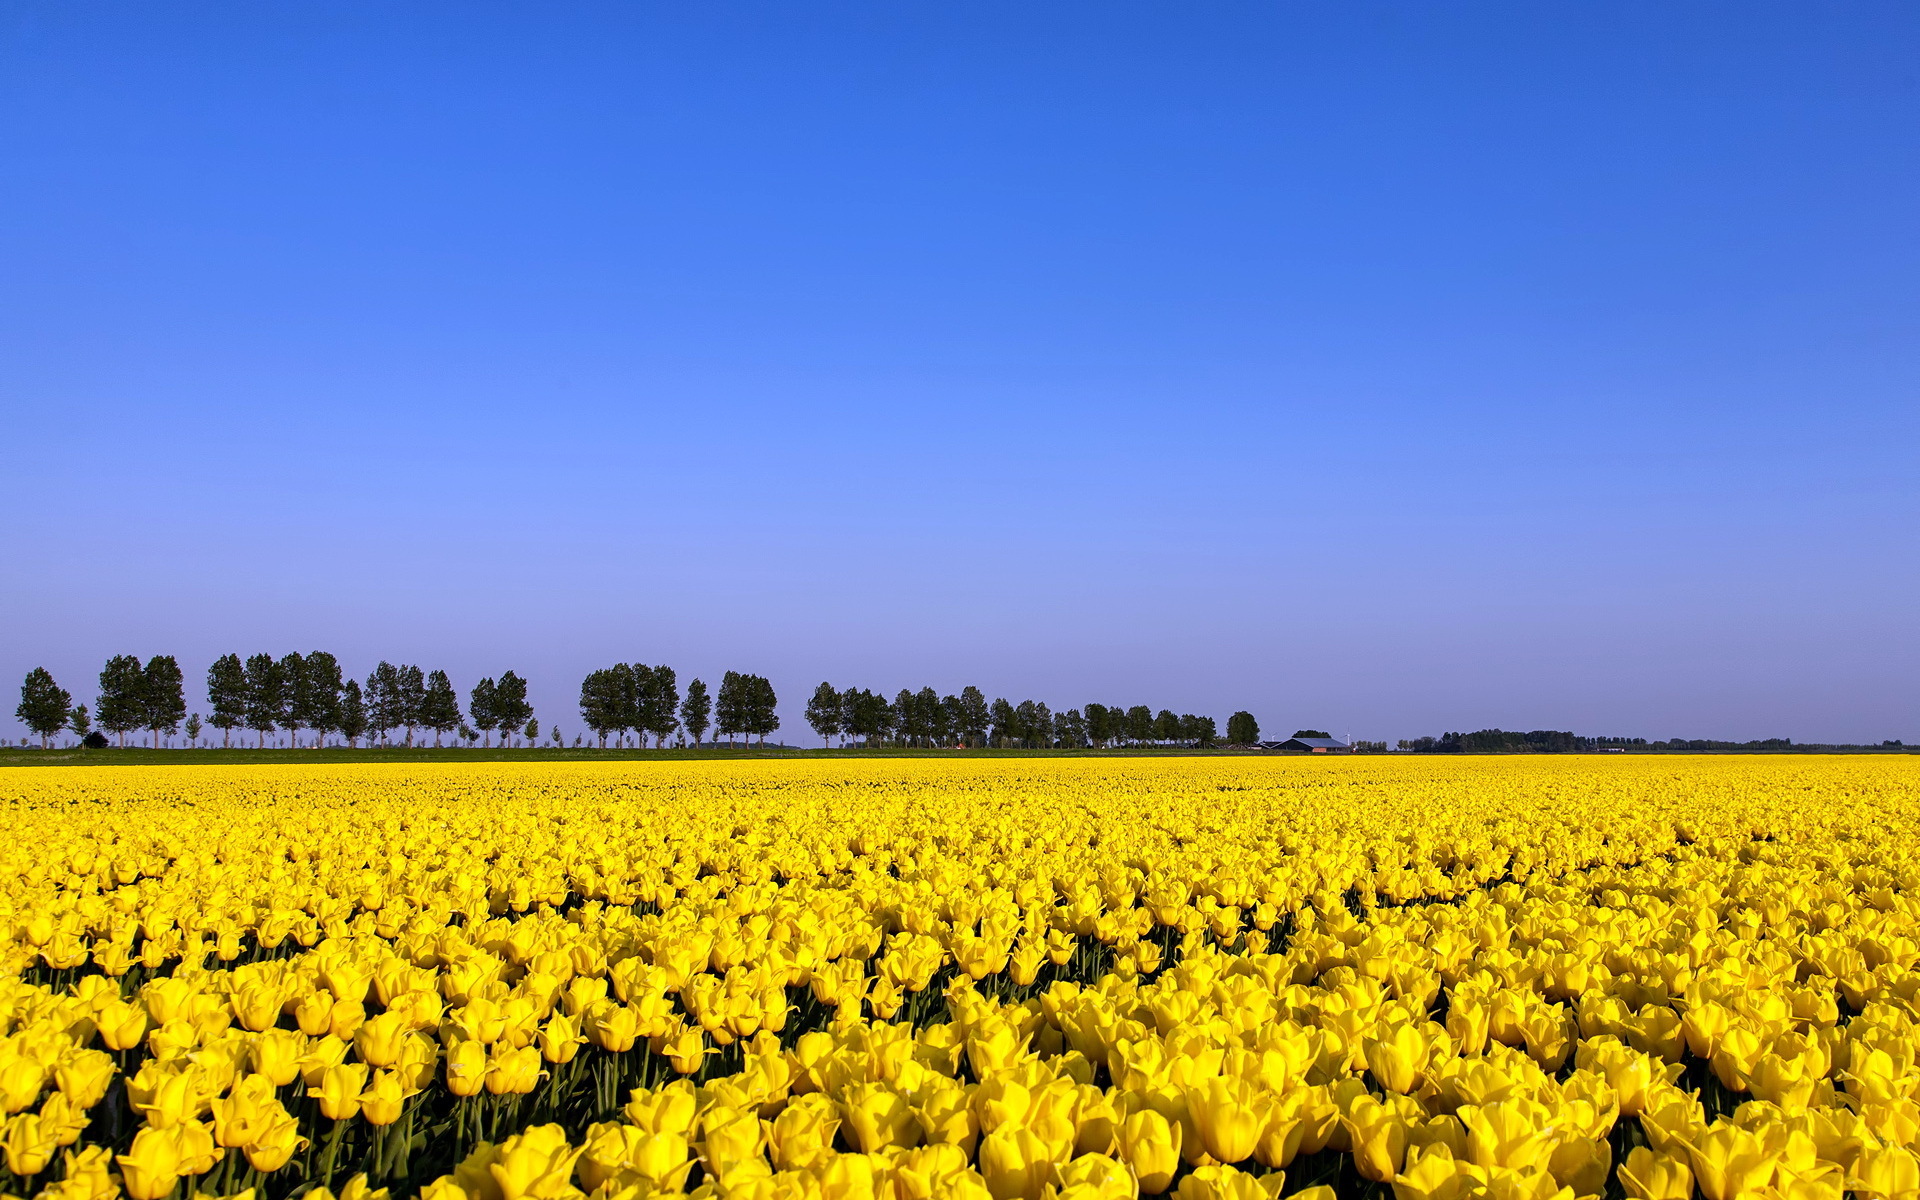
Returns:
(308,692)
(646,701)
(293,693)
(925,718)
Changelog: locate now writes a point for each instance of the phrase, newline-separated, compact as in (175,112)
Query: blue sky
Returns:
(1381,368)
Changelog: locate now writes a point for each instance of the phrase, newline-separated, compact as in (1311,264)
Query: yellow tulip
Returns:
(1729,1162)
(1230,1116)
(1398,1060)
(275,1143)
(1015,1163)
(1217,1182)
(383,1100)
(536,1164)
(1515,1134)
(339,1091)
(802,1135)
(28,1144)
(513,1072)
(151,1166)
(378,1040)
(878,1117)
(1150,1146)
(1095,1177)
(946,1115)
(1377,1133)
(466,1068)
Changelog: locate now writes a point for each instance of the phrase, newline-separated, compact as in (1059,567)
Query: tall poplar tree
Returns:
(696,710)
(45,706)
(974,716)
(293,682)
(227,696)
(320,696)
(121,706)
(510,708)
(659,709)
(440,706)
(823,712)
(163,689)
(410,698)
(600,703)
(480,708)
(353,713)
(266,696)
(383,699)
(730,706)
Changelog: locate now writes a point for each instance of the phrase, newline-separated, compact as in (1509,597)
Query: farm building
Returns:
(1310,745)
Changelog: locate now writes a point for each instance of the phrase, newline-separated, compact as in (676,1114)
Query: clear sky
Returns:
(1386,369)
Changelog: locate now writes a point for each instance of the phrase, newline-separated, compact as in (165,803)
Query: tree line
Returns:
(925,718)
(309,693)
(265,695)
(633,698)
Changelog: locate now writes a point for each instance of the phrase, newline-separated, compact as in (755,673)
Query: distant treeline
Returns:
(1555,741)
(927,719)
(265,695)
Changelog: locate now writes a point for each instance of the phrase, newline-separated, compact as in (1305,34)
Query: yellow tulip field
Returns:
(1525,978)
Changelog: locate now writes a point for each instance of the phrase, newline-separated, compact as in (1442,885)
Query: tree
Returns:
(193,729)
(510,708)
(730,706)
(353,713)
(1321,733)
(320,686)
(383,699)
(81,722)
(906,718)
(293,678)
(532,731)
(659,703)
(1006,722)
(1039,726)
(163,689)
(227,695)
(823,712)
(439,706)
(410,697)
(600,703)
(481,707)
(952,721)
(763,716)
(1070,730)
(44,706)
(974,717)
(121,706)
(266,696)
(1205,734)
(1140,723)
(1166,726)
(696,710)
(1242,729)
(1099,724)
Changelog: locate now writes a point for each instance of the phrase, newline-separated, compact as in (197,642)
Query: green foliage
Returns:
(823,712)
(162,689)
(266,696)
(227,695)
(44,705)
(696,711)
(122,705)
(1242,729)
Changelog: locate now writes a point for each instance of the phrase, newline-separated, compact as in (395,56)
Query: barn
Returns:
(1315,745)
